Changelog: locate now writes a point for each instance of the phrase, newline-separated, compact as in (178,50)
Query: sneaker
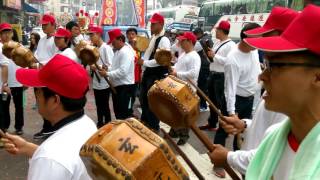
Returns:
(173,134)
(208,128)
(19,132)
(219,172)
(182,142)
(204,109)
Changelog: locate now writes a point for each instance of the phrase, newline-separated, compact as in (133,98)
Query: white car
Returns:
(38,30)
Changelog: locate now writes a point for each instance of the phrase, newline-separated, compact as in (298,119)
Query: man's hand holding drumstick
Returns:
(17,145)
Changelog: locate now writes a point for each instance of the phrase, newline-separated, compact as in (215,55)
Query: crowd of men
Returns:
(280,142)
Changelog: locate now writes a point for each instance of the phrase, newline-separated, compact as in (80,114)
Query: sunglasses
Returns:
(270,65)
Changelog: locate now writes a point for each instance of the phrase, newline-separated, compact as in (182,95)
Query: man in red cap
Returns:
(61,40)
(74,28)
(46,49)
(256,128)
(241,70)
(220,50)
(292,84)
(61,101)
(121,74)
(5,36)
(16,90)
(153,71)
(187,67)
(100,86)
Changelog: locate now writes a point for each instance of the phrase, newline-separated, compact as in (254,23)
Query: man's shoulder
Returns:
(68,139)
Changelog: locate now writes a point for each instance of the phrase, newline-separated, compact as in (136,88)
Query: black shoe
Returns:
(173,134)
(43,135)
(182,142)
(19,132)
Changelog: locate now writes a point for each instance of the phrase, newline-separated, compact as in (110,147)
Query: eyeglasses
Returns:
(270,65)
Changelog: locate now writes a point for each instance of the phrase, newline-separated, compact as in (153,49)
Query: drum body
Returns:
(174,102)
(23,57)
(8,47)
(128,150)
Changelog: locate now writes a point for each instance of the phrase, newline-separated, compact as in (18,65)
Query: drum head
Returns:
(8,47)
(142,43)
(174,102)
(22,57)
(163,57)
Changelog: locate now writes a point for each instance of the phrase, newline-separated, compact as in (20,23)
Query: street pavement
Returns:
(14,167)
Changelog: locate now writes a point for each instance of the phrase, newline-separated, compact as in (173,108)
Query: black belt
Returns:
(215,73)
(245,97)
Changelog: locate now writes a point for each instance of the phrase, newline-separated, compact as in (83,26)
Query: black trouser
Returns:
(203,85)
(216,95)
(244,110)
(135,91)
(102,103)
(4,113)
(147,116)
(17,94)
(121,101)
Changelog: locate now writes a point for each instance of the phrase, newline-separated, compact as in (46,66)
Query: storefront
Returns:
(11,11)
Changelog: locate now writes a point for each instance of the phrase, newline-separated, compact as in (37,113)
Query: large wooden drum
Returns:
(128,150)
(23,57)
(8,47)
(174,102)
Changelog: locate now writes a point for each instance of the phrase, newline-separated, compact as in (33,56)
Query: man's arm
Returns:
(163,44)
(17,145)
(231,80)
(240,159)
(125,64)
(4,77)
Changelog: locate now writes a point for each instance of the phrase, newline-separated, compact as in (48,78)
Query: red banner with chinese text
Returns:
(109,12)
(141,11)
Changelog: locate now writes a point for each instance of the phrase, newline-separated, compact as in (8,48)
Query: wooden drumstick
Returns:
(2,134)
(204,138)
(213,107)
(108,81)
(182,154)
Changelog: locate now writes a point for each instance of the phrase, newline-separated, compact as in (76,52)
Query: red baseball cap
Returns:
(279,19)
(61,75)
(5,26)
(61,32)
(95,29)
(302,34)
(157,18)
(188,36)
(113,34)
(47,18)
(224,25)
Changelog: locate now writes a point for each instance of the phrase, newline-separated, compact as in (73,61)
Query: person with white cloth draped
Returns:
(152,70)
